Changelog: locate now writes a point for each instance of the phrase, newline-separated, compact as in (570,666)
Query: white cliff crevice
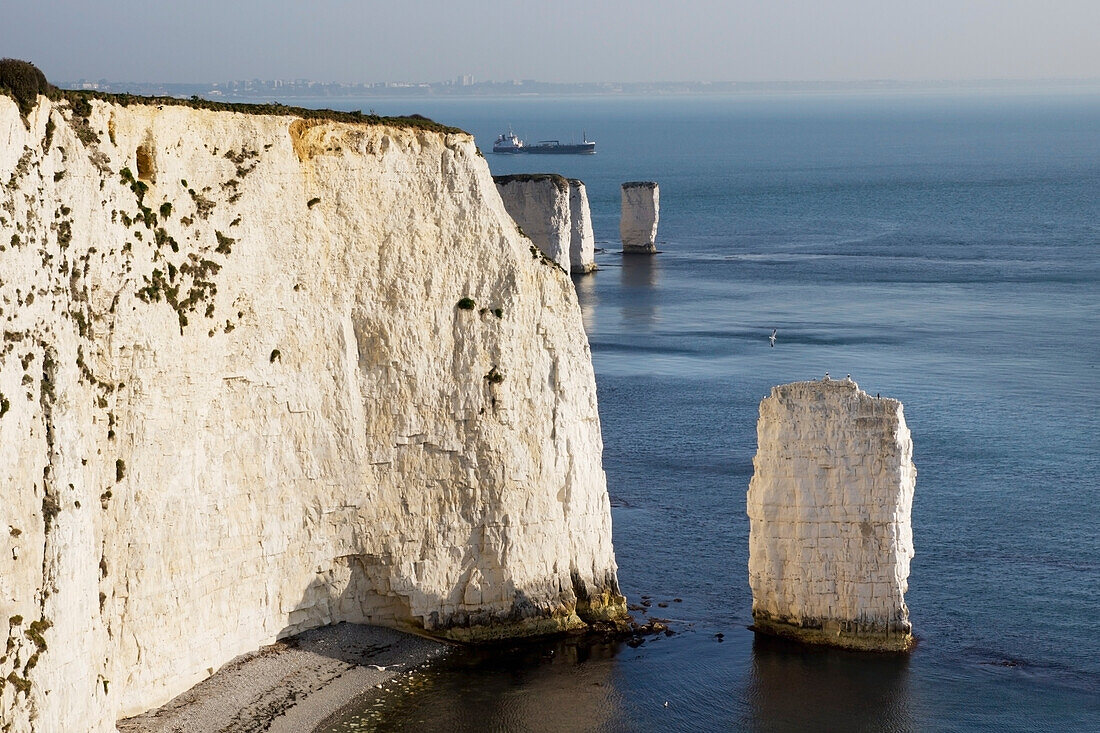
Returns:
(829,505)
(260,374)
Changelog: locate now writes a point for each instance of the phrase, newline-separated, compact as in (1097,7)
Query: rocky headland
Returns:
(265,370)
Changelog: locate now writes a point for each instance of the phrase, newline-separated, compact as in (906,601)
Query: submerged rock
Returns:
(641,208)
(829,505)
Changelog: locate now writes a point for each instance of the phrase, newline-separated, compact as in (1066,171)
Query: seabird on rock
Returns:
(772,337)
(826,379)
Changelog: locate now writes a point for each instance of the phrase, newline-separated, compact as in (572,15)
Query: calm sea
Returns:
(943,249)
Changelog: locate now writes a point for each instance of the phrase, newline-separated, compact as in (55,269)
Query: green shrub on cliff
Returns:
(23,82)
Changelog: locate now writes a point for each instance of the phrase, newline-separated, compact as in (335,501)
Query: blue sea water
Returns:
(943,249)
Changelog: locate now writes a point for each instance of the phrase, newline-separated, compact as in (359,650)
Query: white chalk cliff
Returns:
(539,204)
(829,506)
(262,373)
(641,210)
(582,242)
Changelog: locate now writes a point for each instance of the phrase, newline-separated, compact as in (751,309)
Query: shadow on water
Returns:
(639,278)
(558,685)
(795,687)
(588,298)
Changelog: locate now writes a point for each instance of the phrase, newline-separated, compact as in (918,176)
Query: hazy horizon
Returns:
(776,83)
(568,42)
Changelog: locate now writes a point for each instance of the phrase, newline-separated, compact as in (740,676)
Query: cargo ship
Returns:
(510,143)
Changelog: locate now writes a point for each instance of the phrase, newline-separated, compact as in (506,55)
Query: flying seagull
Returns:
(772,337)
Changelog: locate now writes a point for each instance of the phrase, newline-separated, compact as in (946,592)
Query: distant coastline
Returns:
(282,90)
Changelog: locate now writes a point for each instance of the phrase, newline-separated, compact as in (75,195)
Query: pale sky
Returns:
(558,41)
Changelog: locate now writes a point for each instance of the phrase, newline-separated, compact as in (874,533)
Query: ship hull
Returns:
(583,149)
(562,150)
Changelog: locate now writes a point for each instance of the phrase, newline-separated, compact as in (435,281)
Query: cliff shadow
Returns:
(797,687)
(588,297)
(557,684)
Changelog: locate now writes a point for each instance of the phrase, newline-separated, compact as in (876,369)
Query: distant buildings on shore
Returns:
(279,90)
(464,84)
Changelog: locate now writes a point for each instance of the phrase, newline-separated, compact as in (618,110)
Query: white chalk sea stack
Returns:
(582,242)
(829,505)
(262,373)
(641,208)
(539,204)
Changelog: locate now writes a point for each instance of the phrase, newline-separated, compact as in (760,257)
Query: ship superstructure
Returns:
(508,142)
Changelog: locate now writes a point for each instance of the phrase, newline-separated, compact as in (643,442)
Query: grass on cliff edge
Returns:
(560,181)
(23,82)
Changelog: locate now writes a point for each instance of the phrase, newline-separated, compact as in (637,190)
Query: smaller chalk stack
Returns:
(641,209)
(582,243)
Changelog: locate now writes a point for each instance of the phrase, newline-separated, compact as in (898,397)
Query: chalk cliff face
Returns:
(641,209)
(582,242)
(260,374)
(539,203)
(829,505)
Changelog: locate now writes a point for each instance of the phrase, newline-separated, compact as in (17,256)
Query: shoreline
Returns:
(292,685)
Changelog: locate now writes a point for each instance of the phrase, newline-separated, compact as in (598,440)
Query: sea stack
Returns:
(641,210)
(539,204)
(582,243)
(829,503)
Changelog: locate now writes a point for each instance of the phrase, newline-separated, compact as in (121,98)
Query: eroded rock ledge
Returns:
(262,373)
(829,506)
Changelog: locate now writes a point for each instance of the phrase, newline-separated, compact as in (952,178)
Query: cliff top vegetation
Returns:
(557,180)
(23,81)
